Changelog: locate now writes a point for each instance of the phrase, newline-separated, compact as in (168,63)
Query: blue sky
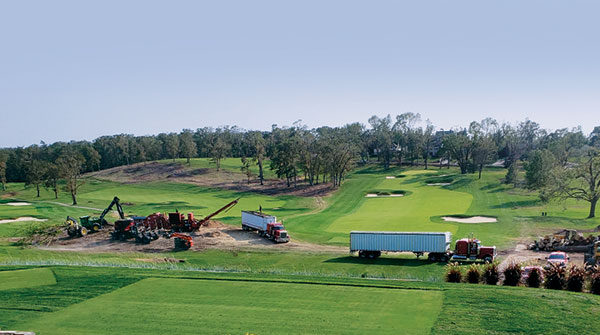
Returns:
(82,69)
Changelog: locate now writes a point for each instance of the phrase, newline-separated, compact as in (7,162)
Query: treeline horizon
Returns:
(316,155)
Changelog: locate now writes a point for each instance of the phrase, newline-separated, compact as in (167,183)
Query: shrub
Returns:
(453,273)
(490,273)
(555,277)
(512,274)
(576,278)
(595,283)
(473,274)
(535,278)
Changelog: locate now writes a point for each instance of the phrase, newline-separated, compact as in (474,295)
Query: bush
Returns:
(453,273)
(595,283)
(555,277)
(576,278)
(490,273)
(535,278)
(512,274)
(473,274)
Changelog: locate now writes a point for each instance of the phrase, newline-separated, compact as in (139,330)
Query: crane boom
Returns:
(114,202)
(224,208)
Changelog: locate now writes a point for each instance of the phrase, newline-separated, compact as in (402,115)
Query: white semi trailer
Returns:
(266,226)
(370,244)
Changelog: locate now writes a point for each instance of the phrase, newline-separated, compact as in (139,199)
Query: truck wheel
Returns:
(432,257)
(488,259)
(361,254)
(83,231)
(444,258)
(371,255)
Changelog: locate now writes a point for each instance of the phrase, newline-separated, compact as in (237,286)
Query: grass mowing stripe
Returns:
(26,278)
(170,305)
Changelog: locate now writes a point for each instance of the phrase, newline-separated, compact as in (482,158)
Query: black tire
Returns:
(96,227)
(432,257)
(146,239)
(82,231)
(444,258)
(361,254)
(371,255)
(122,237)
(488,259)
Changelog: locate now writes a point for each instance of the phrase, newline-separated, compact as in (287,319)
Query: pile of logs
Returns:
(560,241)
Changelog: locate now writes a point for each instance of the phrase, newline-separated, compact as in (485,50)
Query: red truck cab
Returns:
(471,249)
(277,233)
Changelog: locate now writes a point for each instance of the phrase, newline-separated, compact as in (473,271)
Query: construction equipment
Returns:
(182,241)
(592,255)
(370,244)
(568,240)
(92,224)
(266,225)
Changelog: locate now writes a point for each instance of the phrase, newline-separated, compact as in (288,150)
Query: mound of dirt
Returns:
(472,219)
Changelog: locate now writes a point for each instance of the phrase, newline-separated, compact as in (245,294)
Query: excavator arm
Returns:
(115,202)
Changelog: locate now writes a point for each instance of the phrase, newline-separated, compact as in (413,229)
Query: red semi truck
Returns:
(266,225)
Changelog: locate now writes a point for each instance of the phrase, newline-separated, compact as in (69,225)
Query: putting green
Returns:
(408,213)
(26,278)
(184,306)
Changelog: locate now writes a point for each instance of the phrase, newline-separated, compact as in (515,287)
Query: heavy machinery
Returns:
(568,240)
(88,224)
(266,226)
(370,244)
(592,255)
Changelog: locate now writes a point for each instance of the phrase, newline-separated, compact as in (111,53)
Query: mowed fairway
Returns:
(187,306)
(408,213)
(10,280)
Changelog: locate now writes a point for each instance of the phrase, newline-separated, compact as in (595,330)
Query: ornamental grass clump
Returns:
(576,278)
(474,274)
(595,283)
(535,278)
(555,277)
(512,274)
(453,273)
(490,273)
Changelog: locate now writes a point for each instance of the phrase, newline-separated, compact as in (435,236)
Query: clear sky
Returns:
(82,69)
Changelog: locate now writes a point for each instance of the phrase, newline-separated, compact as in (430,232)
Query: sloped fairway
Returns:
(409,213)
(185,306)
(16,279)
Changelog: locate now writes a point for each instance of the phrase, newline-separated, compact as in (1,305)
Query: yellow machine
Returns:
(592,256)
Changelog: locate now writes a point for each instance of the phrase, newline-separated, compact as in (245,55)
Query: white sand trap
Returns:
(22,219)
(18,204)
(390,177)
(373,195)
(439,184)
(473,219)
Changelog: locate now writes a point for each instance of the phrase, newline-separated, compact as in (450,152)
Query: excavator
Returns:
(185,241)
(89,224)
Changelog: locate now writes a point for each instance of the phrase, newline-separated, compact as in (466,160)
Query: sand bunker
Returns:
(373,195)
(390,177)
(439,184)
(473,219)
(18,203)
(22,219)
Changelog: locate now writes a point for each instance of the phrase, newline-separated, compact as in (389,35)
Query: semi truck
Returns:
(266,226)
(370,244)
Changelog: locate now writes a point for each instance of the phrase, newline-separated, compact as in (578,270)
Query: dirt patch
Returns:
(18,204)
(215,236)
(235,181)
(23,219)
(8,195)
(520,254)
(473,219)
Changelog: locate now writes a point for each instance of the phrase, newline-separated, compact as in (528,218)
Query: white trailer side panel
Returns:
(257,220)
(400,241)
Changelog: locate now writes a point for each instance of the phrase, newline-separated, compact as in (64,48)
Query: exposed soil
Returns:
(473,219)
(8,195)
(176,172)
(214,236)
(520,254)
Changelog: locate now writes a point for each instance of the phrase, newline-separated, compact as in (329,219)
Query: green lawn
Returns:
(181,306)
(15,279)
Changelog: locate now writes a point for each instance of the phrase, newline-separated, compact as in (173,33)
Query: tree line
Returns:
(327,154)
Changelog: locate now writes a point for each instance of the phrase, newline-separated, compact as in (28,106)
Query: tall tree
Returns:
(219,151)
(171,145)
(484,146)
(246,168)
(383,138)
(460,147)
(3,158)
(580,182)
(187,144)
(70,164)
(52,177)
(538,169)
(259,150)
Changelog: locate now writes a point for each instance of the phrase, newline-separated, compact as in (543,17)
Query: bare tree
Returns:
(70,164)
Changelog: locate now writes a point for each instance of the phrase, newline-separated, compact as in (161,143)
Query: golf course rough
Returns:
(188,306)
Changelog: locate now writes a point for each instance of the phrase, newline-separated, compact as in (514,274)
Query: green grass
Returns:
(232,307)
(100,300)
(26,278)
